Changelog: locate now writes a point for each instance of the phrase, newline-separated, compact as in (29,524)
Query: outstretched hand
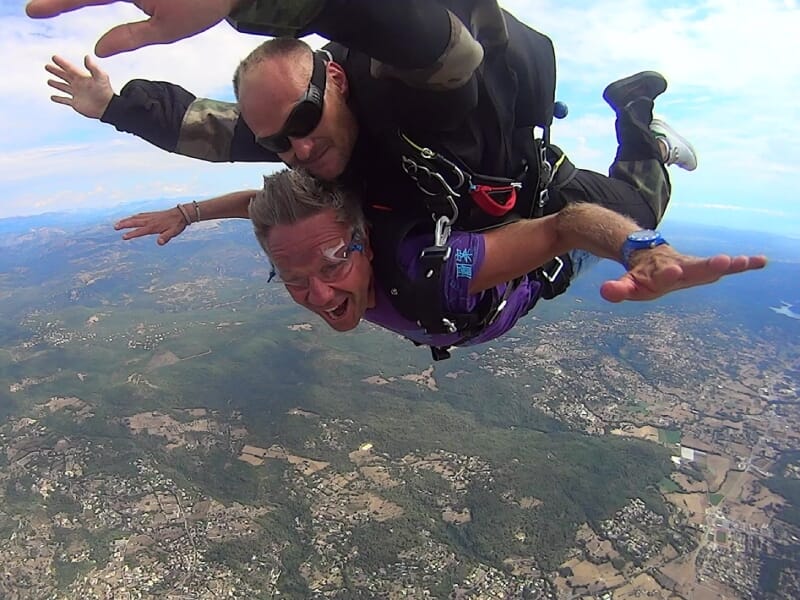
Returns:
(88,92)
(662,270)
(170,20)
(166,223)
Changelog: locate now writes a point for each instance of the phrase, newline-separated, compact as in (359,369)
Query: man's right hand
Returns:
(166,223)
(661,270)
(170,20)
(88,93)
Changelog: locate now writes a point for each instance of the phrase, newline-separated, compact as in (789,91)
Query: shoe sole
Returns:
(647,83)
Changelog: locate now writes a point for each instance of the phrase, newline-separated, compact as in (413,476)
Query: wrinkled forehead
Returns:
(308,240)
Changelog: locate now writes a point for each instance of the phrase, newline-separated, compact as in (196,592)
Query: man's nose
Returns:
(319,292)
(302,148)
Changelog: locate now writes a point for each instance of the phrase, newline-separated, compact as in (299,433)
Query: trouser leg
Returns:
(638,161)
(638,185)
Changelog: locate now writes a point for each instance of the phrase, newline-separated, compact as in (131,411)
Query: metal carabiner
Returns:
(459,173)
(449,190)
(414,170)
(545,168)
(441,232)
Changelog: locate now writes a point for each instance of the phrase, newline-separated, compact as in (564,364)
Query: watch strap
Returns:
(631,245)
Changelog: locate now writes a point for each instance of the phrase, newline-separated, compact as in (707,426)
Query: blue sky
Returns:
(734,80)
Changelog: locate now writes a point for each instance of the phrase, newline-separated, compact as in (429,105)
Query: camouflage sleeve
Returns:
(277,18)
(207,130)
(454,67)
(174,119)
(213,130)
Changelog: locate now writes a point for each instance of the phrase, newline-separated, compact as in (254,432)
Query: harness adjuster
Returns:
(433,257)
(437,253)
(554,276)
(559,265)
(449,325)
(496,312)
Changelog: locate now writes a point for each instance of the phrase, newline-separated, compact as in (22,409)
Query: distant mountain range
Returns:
(687,236)
(780,281)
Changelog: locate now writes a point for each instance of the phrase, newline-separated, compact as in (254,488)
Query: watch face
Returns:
(643,236)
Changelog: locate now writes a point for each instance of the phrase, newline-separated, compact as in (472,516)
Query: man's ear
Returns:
(338,77)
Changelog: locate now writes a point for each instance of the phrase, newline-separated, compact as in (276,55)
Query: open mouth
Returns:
(338,311)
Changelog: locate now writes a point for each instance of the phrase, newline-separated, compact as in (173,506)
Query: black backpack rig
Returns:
(448,189)
(456,196)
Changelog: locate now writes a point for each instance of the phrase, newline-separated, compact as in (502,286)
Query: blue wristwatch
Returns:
(640,240)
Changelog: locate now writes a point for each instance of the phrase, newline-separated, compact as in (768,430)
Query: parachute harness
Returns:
(442,182)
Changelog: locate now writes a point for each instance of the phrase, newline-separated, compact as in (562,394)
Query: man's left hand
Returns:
(87,92)
(169,20)
(663,270)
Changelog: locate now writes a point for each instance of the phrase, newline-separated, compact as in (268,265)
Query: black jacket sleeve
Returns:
(408,34)
(170,117)
(151,110)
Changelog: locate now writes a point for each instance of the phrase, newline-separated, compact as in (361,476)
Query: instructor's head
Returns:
(295,102)
(315,235)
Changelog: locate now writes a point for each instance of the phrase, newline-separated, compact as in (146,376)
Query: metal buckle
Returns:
(554,276)
(451,327)
(546,172)
(544,197)
(440,250)
(545,176)
(441,233)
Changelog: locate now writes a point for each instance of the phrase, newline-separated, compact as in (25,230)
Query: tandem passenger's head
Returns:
(316,238)
(295,102)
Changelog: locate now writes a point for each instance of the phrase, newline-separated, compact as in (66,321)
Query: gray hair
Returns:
(272,49)
(292,195)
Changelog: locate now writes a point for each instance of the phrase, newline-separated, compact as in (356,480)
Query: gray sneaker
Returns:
(679,151)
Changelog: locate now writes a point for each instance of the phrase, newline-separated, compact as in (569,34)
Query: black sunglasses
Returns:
(306,114)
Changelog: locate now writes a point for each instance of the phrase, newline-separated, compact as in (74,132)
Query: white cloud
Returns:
(203,64)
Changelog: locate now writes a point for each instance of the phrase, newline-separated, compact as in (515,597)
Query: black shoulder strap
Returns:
(387,231)
(418,300)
